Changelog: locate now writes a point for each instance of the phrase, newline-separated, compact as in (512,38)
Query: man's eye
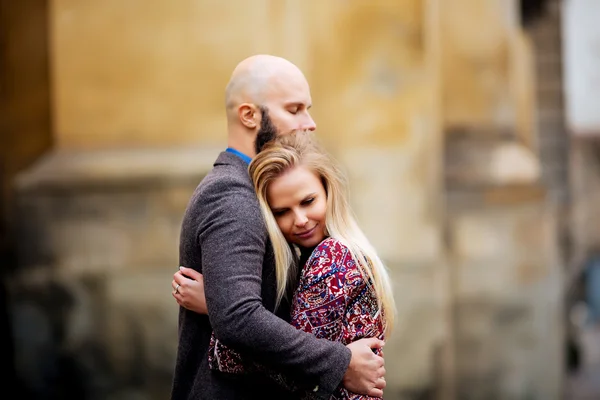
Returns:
(293,111)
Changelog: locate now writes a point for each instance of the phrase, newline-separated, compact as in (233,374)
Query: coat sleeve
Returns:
(232,241)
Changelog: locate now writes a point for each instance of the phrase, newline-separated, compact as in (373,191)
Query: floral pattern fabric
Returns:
(333,301)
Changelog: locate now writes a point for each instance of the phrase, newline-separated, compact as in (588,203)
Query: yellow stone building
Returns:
(116,110)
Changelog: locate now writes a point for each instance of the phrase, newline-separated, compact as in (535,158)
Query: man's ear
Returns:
(248,114)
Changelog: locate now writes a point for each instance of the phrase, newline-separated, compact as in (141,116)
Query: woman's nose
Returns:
(301,219)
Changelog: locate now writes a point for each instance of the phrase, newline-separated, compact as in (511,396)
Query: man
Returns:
(223,237)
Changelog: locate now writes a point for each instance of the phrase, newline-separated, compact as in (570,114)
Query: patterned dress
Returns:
(332,301)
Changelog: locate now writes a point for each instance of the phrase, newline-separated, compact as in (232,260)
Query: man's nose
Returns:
(309,124)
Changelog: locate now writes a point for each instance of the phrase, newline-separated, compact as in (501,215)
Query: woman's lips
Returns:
(306,234)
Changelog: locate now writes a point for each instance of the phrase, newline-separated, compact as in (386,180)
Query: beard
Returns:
(267,131)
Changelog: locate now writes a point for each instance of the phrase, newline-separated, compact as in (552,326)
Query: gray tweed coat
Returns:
(223,236)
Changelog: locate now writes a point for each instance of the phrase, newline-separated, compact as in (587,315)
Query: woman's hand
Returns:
(188,290)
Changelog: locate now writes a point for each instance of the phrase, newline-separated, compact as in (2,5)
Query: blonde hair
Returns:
(301,148)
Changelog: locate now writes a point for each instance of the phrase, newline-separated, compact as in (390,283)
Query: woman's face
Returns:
(298,201)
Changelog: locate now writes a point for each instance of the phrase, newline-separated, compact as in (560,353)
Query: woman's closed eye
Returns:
(279,213)
(308,201)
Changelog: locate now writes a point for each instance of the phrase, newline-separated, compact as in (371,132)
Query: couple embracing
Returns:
(282,296)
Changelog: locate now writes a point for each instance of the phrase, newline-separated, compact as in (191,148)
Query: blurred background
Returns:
(469,129)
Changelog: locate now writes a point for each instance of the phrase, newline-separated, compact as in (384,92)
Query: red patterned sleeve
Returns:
(327,285)
(334,302)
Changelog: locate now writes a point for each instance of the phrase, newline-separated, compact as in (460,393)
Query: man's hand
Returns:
(366,373)
(188,290)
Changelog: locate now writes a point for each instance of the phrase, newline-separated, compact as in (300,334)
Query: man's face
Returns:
(288,102)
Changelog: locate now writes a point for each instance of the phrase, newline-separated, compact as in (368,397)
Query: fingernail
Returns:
(180,267)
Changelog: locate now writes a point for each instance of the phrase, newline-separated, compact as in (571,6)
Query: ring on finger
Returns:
(177,288)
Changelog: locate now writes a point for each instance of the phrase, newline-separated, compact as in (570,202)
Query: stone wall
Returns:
(98,248)
(24,126)
(501,225)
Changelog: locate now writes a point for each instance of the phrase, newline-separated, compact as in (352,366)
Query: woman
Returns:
(343,291)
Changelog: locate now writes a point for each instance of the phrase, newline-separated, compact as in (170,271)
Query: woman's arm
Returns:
(333,301)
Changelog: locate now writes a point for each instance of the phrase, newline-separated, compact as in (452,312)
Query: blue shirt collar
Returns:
(241,155)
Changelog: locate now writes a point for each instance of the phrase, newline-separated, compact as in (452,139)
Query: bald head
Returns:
(254,76)
(266,96)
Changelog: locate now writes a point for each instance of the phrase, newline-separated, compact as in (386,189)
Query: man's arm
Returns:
(233,241)
(365,374)
(233,244)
